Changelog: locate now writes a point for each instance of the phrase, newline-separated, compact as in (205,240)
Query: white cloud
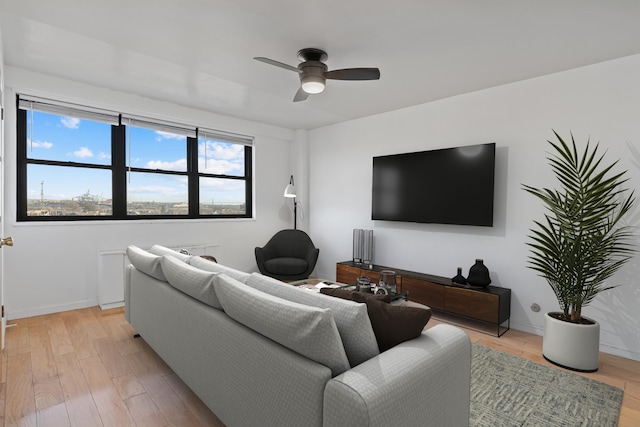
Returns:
(41,144)
(220,167)
(221,150)
(70,122)
(178,165)
(167,135)
(83,152)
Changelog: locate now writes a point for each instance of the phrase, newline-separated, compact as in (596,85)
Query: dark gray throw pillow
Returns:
(393,324)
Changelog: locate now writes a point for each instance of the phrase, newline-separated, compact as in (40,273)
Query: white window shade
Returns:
(159,125)
(67,109)
(225,136)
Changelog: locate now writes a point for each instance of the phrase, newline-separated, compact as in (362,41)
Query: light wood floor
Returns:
(84,368)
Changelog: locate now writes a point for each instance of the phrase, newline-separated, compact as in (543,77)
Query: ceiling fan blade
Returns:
(354,74)
(277,64)
(300,95)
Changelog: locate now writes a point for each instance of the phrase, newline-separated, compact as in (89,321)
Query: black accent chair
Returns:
(288,255)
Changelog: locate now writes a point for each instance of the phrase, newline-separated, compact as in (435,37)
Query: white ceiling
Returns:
(199,52)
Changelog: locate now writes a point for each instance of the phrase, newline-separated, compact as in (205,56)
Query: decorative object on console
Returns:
(459,278)
(290,193)
(357,245)
(362,283)
(363,246)
(380,290)
(367,248)
(479,274)
(388,281)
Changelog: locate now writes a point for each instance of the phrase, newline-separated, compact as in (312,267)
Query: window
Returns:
(80,163)
(219,164)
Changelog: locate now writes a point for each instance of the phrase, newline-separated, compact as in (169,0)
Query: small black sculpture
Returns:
(459,278)
(479,274)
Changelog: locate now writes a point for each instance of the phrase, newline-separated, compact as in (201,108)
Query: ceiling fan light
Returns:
(313,84)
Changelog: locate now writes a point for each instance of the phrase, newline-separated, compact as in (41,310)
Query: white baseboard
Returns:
(111,305)
(627,354)
(525,327)
(38,311)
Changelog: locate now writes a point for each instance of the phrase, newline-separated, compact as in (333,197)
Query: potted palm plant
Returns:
(578,246)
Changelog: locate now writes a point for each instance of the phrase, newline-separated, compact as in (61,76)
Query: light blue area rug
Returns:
(511,391)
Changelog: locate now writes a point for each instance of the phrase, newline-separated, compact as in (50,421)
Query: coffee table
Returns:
(314,284)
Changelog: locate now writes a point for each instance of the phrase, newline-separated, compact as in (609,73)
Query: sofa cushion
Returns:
(161,250)
(286,266)
(394,324)
(194,282)
(146,262)
(207,265)
(309,331)
(351,318)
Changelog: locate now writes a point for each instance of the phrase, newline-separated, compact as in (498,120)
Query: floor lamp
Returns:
(290,192)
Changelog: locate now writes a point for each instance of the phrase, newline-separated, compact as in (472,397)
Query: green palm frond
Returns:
(581,243)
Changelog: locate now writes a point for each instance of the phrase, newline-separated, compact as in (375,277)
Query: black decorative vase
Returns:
(479,274)
(459,278)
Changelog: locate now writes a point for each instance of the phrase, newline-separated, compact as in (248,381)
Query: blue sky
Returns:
(69,139)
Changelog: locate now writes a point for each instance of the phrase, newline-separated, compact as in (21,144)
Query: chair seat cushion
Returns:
(286,266)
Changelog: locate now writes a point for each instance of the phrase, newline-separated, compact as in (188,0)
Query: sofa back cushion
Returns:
(194,282)
(162,250)
(207,265)
(146,262)
(309,331)
(351,318)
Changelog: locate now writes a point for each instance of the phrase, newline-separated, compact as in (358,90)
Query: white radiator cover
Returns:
(111,272)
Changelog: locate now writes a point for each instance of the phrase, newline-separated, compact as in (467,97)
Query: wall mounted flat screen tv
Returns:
(446,186)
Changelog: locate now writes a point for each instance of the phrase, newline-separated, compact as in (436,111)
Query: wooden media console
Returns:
(450,302)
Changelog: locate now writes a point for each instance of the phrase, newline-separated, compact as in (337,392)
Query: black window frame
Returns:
(119,170)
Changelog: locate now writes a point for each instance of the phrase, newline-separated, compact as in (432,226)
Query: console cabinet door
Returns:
(478,305)
(424,292)
(347,274)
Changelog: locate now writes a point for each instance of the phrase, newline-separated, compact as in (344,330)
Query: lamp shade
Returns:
(313,84)
(290,190)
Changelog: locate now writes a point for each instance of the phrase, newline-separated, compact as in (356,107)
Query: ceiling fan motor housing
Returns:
(312,54)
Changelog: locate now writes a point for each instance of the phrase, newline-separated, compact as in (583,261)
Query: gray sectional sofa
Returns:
(260,352)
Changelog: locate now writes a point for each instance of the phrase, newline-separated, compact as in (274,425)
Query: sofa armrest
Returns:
(422,382)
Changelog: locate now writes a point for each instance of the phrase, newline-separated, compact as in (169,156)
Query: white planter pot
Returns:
(571,345)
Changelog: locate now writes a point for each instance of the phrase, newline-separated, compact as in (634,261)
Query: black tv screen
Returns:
(446,186)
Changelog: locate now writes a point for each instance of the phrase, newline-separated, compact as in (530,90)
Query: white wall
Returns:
(601,101)
(54,267)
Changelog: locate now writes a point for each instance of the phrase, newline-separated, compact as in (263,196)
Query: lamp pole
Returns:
(295,214)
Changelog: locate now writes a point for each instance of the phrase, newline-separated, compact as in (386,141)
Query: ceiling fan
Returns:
(314,72)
